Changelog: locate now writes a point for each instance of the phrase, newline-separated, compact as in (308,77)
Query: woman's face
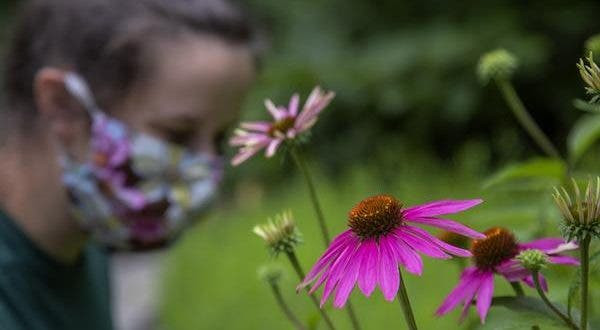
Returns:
(193,93)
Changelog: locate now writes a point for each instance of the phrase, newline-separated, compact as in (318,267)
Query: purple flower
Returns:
(288,123)
(495,254)
(381,238)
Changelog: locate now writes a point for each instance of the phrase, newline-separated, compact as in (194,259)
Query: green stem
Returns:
(518,288)
(584,249)
(285,308)
(321,219)
(539,290)
(313,193)
(296,265)
(405,303)
(525,119)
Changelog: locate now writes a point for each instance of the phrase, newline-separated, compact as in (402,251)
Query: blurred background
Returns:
(410,118)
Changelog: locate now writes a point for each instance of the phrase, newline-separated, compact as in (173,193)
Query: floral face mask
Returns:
(135,191)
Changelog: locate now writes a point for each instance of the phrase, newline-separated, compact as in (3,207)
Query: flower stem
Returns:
(313,193)
(585,269)
(539,290)
(405,303)
(285,308)
(518,288)
(321,219)
(525,119)
(296,264)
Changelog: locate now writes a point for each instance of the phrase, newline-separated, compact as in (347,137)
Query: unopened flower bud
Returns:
(533,260)
(270,273)
(497,64)
(590,74)
(281,234)
(580,210)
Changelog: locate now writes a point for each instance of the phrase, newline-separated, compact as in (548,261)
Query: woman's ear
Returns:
(62,115)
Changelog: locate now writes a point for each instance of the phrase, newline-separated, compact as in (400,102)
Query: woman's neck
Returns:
(32,193)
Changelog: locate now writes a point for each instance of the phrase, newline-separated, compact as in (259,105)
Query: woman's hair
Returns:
(105,41)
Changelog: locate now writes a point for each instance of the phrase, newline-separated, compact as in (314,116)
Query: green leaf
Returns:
(536,168)
(584,134)
(508,313)
(586,106)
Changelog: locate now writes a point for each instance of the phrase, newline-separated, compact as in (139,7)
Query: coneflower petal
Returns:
(348,280)
(543,283)
(367,278)
(336,271)
(421,245)
(544,244)
(293,106)
(422,234)
(407,257)
(388,274)
(460,291)
(484,295)
(440,208)
(448,225)
(564,260)
(338,244)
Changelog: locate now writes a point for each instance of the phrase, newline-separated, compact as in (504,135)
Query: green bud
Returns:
(533,260)
(580,210)
(270,273)
(592,45)
(497,64)
(281,234)
(590,74)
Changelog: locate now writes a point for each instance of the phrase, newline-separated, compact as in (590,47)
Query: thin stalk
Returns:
(585,270)
(518,288)
(296,265)
(539,290)
(285,308)
(299,160)
(405,303)
(312,192)
(525,119)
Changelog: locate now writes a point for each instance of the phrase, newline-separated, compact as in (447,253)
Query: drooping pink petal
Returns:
(337,245)
(245,153)
(512,270)
(563,248)
(421,245)
(543,283)
(460,292)
(259,126)
(543,244)
(484,295)
(277,113)
(405,255)
(348,280)
(315,103)
(367,277)
(440,208)
(388,273)
(272,148)
(448,225)
(293,106)
(336,271)
(422,234)
(564,260)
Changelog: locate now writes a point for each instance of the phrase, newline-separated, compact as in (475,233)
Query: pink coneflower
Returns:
(380,239)
(288,123)
(495,254)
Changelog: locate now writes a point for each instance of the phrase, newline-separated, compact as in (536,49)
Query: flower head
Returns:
(381,237)
(590,74)
(580,212)
(497,254)
(288,123)
(281,234)
(496,64)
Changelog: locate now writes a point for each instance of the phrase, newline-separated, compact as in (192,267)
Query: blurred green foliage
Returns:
(404,73)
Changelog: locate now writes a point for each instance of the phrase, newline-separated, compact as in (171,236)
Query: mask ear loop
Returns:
(78,88)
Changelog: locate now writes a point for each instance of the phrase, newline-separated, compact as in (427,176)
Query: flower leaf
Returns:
(521,313)
(583,135)
(536,168)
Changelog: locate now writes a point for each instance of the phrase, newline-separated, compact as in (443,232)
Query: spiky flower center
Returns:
(281,126)
(498,246)
(375,216)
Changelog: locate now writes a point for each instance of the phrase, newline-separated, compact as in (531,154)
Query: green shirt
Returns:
(38,292)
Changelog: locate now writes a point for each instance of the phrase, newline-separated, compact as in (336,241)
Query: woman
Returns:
(114,110)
